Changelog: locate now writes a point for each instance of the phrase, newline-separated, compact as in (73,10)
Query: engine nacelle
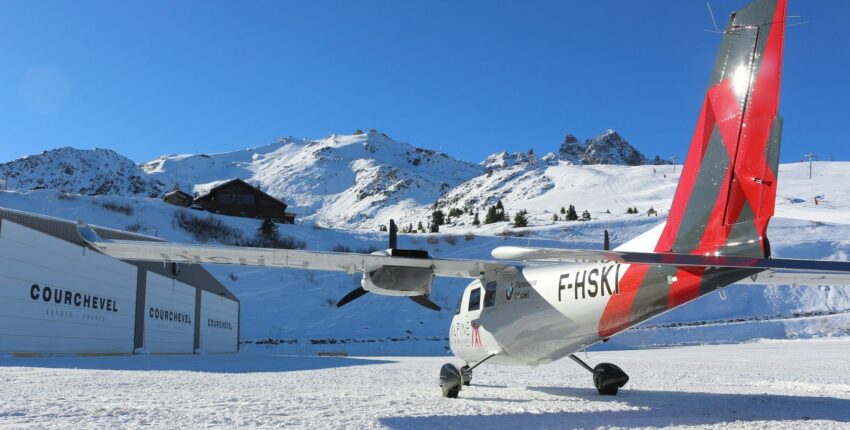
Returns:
(398,281)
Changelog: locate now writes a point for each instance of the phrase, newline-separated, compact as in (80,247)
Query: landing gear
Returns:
(607,377)
(466,373)
(453,379)
(450,380)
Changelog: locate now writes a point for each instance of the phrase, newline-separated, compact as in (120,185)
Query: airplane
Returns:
(531,306)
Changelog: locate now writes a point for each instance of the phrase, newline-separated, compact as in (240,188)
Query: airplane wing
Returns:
(284,258)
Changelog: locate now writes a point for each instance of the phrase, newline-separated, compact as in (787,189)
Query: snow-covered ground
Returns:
(770,384)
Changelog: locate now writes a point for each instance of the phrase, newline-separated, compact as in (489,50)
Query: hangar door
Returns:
(169,315)
(58,297)
(219,323)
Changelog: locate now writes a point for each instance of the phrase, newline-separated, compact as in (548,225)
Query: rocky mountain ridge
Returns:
(80,171)
(347,181)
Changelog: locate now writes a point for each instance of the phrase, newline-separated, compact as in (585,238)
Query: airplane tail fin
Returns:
(727,191)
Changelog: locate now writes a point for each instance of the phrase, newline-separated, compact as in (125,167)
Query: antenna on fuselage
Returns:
(713,21)
(606,245)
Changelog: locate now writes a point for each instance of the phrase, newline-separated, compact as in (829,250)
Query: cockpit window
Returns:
(459,303)
(490,294)
(474,299)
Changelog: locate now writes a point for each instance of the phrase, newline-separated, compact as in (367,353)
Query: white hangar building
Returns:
(58,296)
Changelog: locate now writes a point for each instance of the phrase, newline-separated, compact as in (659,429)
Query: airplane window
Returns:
(459,302)
(475,299)
(490,294)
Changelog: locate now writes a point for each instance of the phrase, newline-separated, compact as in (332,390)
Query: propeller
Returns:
(353,295)
(424,301)
(360,291)
(606,246)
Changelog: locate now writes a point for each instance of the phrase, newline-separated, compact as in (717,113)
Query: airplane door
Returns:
(473,312)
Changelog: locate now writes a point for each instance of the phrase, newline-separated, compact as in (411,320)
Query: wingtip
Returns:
(87,233)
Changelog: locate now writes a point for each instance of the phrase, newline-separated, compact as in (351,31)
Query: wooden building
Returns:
(239,198)
(178,198)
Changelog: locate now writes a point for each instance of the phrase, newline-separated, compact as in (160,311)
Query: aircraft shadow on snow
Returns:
(229,363)
(646,409)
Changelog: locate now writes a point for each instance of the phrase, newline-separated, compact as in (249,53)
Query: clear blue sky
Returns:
(466,77)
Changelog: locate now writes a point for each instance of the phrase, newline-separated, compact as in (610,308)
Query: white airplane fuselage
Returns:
(534,315)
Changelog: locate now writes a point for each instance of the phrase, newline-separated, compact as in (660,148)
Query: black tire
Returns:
(608,379)
(609,391)
(450,393)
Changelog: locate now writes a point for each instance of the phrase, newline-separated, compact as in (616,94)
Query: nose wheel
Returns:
(608,378)
(453,379)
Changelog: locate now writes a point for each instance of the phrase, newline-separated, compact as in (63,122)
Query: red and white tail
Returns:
(727,190)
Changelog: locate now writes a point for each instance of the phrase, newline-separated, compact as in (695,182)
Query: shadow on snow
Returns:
(635,408)
(229,363)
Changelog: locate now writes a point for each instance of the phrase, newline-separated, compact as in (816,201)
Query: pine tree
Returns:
(476,222)
(571,214)
(420,227)
(267,233)
(268,228)
(585,216)
(563,211)
(437,218)
(554,217)
(491,215)
(435,228)
(520,219)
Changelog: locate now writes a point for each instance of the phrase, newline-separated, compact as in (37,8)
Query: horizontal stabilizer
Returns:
(778,277)
(666,259)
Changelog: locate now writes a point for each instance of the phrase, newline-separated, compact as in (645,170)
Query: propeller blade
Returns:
(424,301)
(353,295)
(393,235)
(607,245)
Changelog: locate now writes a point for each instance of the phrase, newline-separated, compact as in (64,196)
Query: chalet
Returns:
(239,198)
(178,198)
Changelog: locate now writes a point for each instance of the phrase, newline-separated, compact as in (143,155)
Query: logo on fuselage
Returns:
(599,281)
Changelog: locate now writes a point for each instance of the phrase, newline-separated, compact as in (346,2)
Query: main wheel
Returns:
(608,390)
(608,379)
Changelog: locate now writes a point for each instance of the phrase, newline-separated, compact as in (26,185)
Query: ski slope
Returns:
(773,384)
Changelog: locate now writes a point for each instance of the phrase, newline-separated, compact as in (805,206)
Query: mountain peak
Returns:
(610,148)
(606,148)
(80,171)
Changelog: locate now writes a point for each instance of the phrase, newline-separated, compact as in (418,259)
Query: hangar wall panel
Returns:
(57,297)
(169,315)
(219,323)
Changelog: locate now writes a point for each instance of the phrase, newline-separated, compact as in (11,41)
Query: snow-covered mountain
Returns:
(345,181)
(80,171)
(358,180)
(606,148)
